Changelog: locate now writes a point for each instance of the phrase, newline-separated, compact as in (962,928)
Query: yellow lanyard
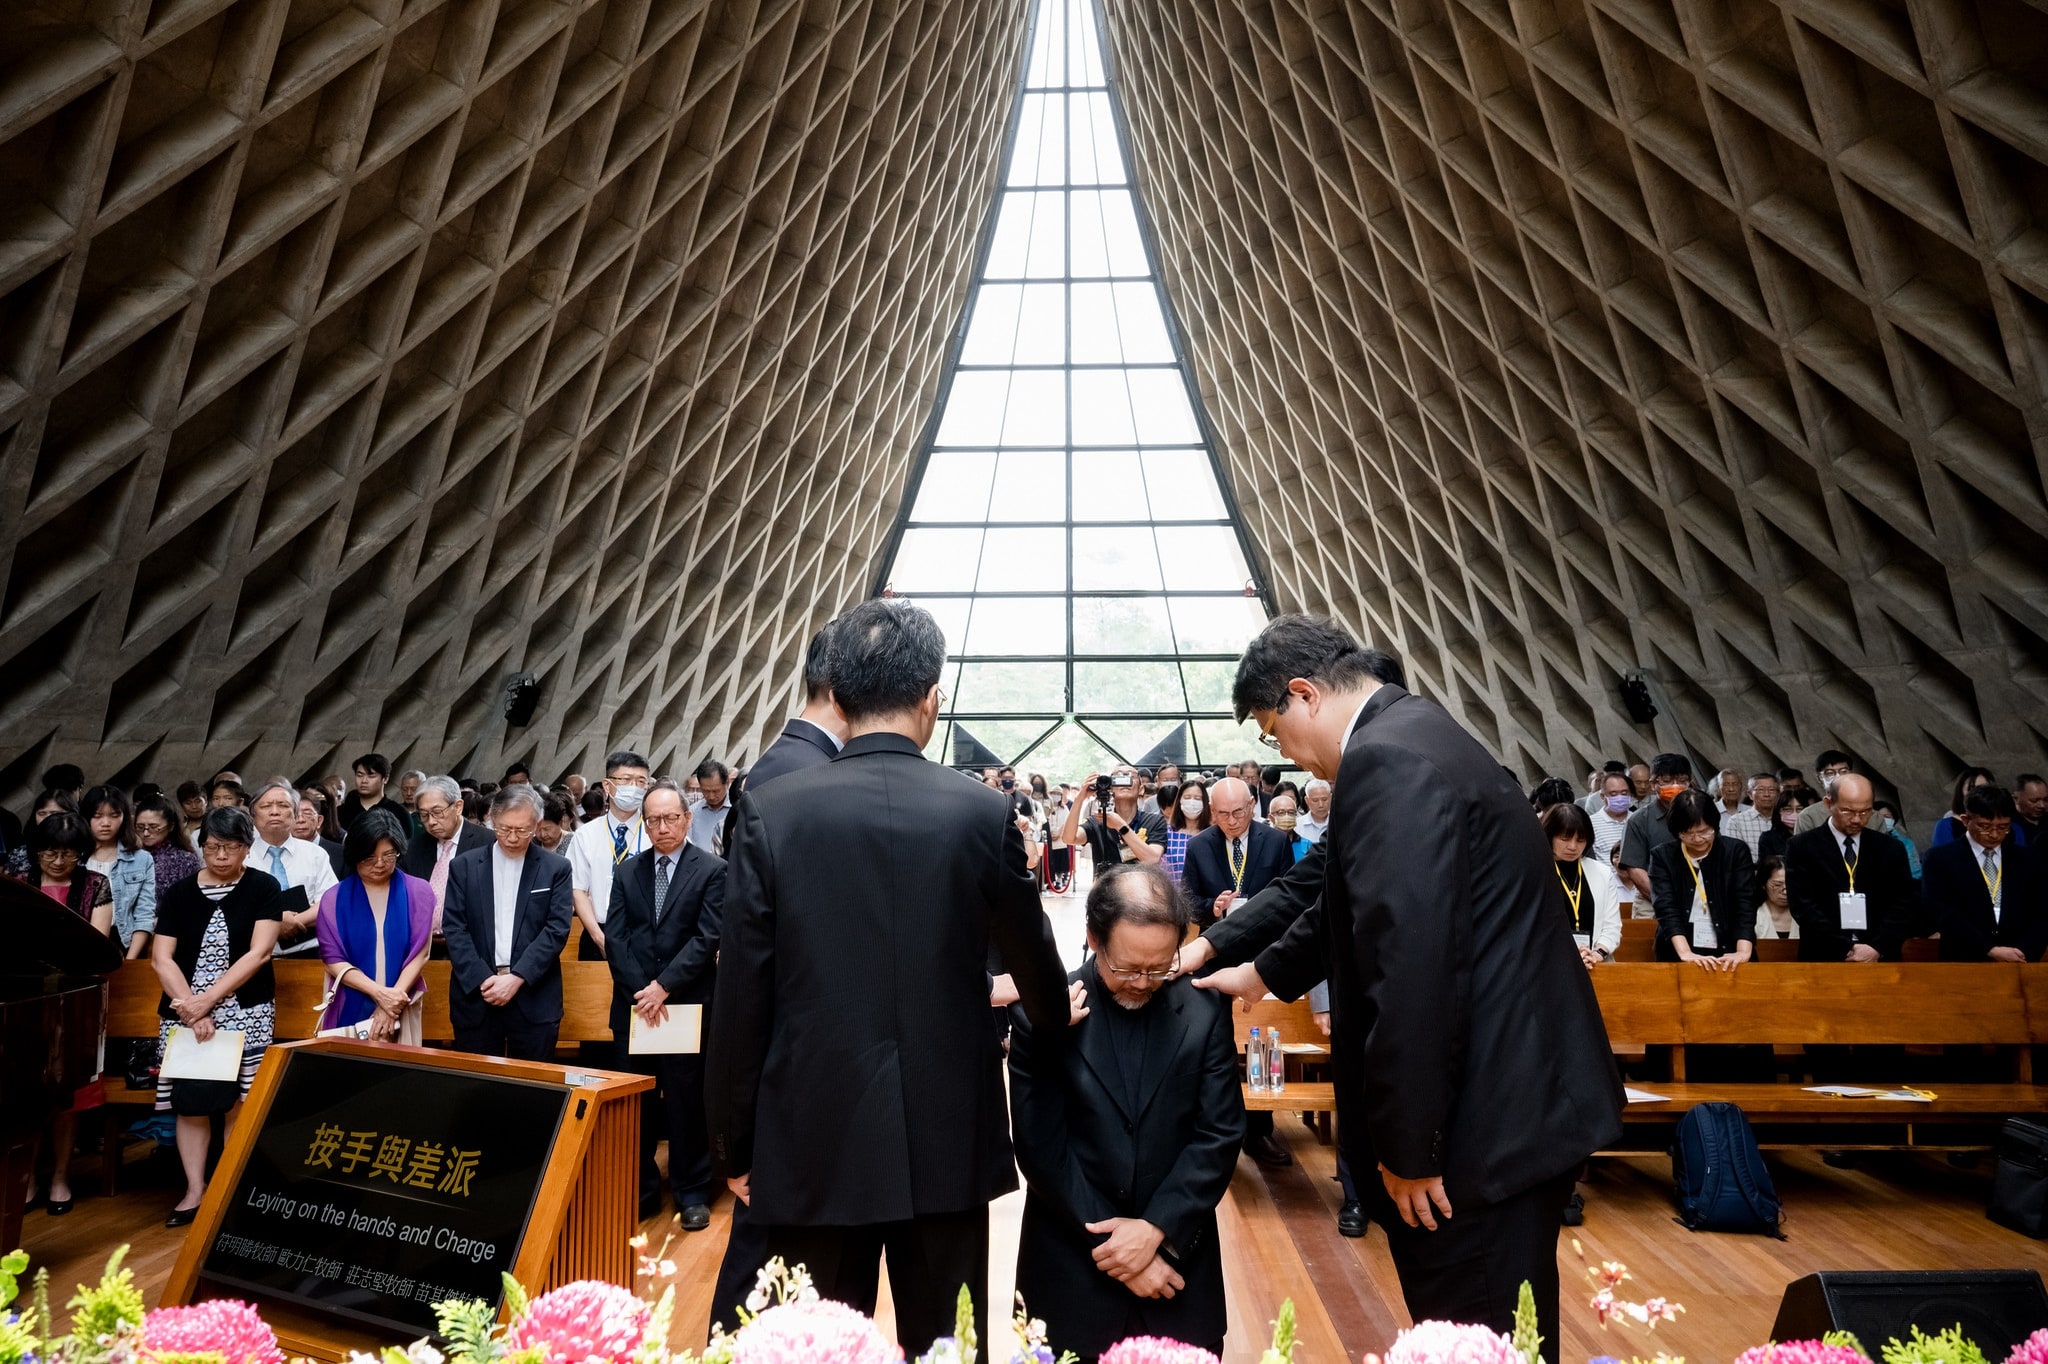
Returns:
(1852,872)
(1572,895)
(1698,884)
(619,855)
(1238,857)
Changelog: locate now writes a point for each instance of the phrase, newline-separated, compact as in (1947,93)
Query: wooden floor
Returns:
(1280,1240)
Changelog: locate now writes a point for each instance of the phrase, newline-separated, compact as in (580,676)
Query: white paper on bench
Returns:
(1644,1096)
(1910,1096)
(682,1033)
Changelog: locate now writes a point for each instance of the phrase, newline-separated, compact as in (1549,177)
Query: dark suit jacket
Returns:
(1267,917)
(1450,985)
(1088,1155)
(1814,876)
(852,1069)
(1959,903)
(539,929)
(418,857)
(682,951)
(801,744)
(1268,855)
(1729,878)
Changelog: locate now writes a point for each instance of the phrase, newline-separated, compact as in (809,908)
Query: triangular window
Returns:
(1065,522)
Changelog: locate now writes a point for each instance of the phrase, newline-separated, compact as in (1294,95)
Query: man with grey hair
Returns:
(292,862)
(1316,818)
(443,835)
(507,920)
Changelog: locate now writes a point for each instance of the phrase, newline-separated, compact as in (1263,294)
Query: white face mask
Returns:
(628,798)
(1191,807)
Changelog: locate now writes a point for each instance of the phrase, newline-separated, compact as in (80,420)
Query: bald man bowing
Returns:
(1473,1071)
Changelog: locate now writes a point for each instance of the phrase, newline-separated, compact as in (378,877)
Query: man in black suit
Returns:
(1985,893)
(1127,1131)
(1472,1068)
(811,738)
(663,951)
(1234,858)
(444,835)
(855,1087)
(508,917)
(1851,890)
(1230,860)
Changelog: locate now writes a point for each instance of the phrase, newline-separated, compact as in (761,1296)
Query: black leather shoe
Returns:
(1351,1219)
(181,1217)
(1575,1210)
(696,1217)
(59,1206)
(1267,1150)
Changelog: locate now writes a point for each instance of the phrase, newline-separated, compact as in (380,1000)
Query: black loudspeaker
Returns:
(522,697)
(1997,1308)
(1635,699)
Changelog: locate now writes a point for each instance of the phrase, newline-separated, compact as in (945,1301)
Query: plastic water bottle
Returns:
(1255,1062)
(1276,1062)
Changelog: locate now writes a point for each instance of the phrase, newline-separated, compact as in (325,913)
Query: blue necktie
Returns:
(618,841)
(284,879)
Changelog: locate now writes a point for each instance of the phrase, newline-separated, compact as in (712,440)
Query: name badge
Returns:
(1855,910)
(1584,940)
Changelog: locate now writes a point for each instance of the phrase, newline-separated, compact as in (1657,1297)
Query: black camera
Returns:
(1102,790)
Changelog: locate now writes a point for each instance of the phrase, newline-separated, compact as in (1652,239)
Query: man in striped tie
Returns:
(662,943)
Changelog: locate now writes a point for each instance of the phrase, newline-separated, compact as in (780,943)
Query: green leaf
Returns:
(1845,1340)
(963,1324)
(515,1298)
(1950,1347)
(1527,1342)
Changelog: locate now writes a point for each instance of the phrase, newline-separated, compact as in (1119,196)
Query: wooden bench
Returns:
(1316,1100)
(1995,1005)
(301,985)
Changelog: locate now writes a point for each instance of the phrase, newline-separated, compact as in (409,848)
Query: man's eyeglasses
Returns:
(1156,977)
(661,821)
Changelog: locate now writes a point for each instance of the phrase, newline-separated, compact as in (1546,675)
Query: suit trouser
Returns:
(501,1032)
(929,1259)
(746,1250)
(673,1108)
(1472,1267)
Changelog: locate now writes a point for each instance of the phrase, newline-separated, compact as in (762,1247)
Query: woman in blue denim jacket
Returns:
(117,856)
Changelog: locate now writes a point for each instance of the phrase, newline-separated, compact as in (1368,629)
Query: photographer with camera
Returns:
(1116,831)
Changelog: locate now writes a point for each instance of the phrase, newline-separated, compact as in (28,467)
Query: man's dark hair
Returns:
(711,769)
(1613,768)
(593,802)
(1791,774)
(1830,757)
(1313,647)
(520,771)
(1551,791)
(188,789)
(818,664)
(1567,819)
(373,762)
(233,788)
(1670,765)
(1133,893)
(1985,802)
(887,655)
(1689,810)
(1270,776)
(2026,779)
(68,776)
(624,757)
(359,844)
(61,830)
(117,800)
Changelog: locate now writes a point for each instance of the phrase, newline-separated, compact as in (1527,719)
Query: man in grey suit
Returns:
(508,916)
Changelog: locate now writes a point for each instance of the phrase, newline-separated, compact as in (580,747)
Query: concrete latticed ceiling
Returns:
(1552,338)
(355,354)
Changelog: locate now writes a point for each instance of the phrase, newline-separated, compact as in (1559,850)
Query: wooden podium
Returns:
(334,1279)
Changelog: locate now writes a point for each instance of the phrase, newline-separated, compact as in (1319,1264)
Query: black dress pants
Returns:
(746,1250)
(501,1032)
(674,1108)
(1472,1267)
(929,1258)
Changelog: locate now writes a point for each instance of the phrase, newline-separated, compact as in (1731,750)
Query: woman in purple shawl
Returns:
(374,930)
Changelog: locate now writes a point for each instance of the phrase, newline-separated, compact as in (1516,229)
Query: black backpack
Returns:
(1722,1182)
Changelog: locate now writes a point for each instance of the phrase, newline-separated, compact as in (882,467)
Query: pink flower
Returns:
(224,1327)
(816,1332)
(1447,1342)
(1800,1352)
(1605,1308)
(582,1322)
(1661,1309)
(2032,1350)
(1155,1350)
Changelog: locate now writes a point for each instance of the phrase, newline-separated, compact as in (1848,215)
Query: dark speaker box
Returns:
(1997,1308)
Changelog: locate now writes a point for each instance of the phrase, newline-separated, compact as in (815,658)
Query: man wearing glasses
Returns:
(507,920)
(1127,1129)
(663,950)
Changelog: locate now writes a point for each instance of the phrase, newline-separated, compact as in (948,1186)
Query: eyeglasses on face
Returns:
(1155,977)
(661,821)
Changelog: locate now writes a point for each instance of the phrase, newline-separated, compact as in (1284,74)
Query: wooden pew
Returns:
(1298,1028)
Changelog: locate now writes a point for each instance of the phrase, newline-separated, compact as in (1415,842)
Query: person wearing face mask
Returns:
(1610,824)
(1830,767)
(1284,814)
(1776,841)
(1188,814)
(597,849)
(1748,821)
(1648,828)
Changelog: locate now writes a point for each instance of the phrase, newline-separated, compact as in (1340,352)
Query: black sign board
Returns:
(377,1188)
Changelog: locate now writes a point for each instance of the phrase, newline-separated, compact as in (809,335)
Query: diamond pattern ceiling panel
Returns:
(356,354)
(1551,339)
